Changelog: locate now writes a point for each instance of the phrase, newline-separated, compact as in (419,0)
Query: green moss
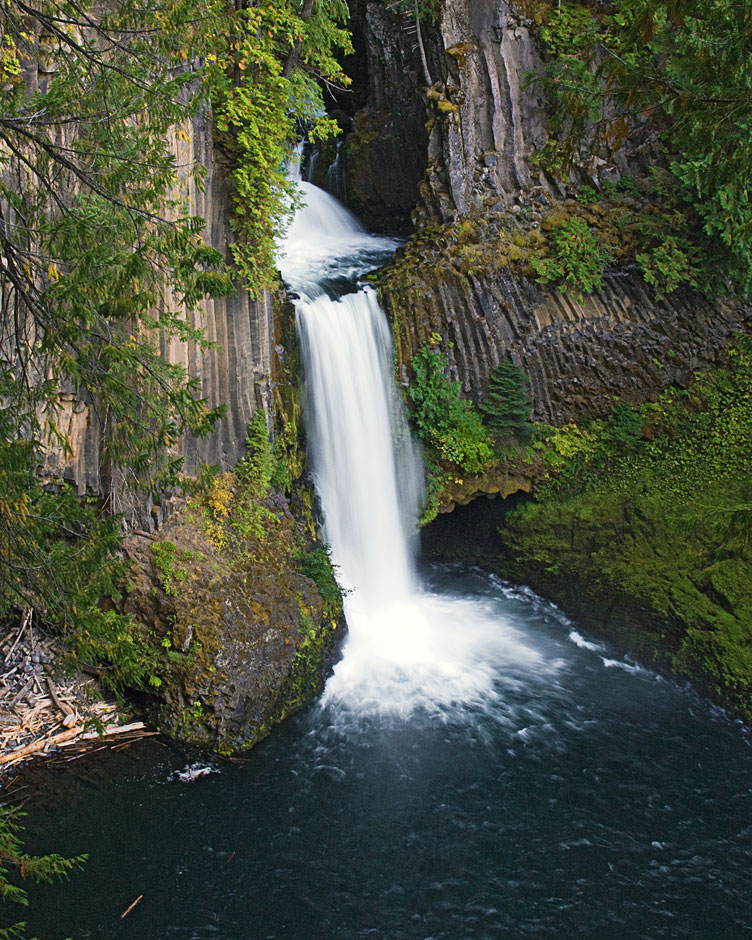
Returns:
(645,526)
(168,560)
(306,679)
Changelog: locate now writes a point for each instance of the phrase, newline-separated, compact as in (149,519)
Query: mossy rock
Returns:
(244,641)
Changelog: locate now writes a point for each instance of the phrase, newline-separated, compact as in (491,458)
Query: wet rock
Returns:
(385,153)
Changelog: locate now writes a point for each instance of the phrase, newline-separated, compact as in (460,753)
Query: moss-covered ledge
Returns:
(240,640)
(643,530)
(630,574)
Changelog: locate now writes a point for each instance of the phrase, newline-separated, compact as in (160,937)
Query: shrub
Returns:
(443,419)
(576,262)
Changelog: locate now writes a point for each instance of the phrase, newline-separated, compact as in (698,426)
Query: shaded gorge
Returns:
(476,767)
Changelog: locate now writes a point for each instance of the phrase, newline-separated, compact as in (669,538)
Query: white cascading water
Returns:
(406,648)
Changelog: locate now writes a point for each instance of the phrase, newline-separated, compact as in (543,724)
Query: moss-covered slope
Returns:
(242,607)
(646,531)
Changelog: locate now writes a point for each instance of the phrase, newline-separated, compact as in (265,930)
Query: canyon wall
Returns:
(484,121)
(235,370)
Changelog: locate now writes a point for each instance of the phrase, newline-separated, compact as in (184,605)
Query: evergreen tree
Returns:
(38,868)
(506,407)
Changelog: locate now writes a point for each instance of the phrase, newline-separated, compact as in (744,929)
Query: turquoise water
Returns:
(584,796)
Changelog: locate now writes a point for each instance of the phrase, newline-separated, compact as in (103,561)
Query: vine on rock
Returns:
(265,88)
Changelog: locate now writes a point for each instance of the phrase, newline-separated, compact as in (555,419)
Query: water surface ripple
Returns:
(586,800)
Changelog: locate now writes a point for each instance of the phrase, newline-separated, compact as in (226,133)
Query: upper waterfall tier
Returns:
(325,245)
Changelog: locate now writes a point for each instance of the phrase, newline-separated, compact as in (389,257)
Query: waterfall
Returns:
(407,648)
(335,177)
(353,413)
(367,469)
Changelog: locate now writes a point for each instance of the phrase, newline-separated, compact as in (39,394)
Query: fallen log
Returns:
(39,745)
(65,738)
(107,732)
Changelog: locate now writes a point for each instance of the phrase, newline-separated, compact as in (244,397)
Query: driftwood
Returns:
(41,709)
(39,745)
(19,695)
(65,738)
(130,907)
(108,731)
(67,711)
(25,620)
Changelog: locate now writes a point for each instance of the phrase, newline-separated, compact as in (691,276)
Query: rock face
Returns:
(454,140)
(245,640)
(620,342)
(485,122)
(490,118)
(488,123)
(384,155)
(236,371)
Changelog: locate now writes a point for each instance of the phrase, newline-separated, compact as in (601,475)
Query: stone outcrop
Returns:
(485,122)
(581,357)
(245,639)
(488,117)
(234,371)
(502,482)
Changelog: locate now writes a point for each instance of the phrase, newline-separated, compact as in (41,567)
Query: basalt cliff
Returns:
(440,144)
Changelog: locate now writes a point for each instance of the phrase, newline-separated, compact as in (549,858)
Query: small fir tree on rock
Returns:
(506,407)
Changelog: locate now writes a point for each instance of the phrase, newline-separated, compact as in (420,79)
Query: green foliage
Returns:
(58,558)
(506,407)
(437,480)
(428,10)
(668,265)
(442,419)
(316,563)
(102,264)
(587,196)
(687,66)
(624,427)
(42,869)
(653,508)
(288,455)
(572,88)
(167,560)
(258,467)
(264,84)
(234,512)
(576,261)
